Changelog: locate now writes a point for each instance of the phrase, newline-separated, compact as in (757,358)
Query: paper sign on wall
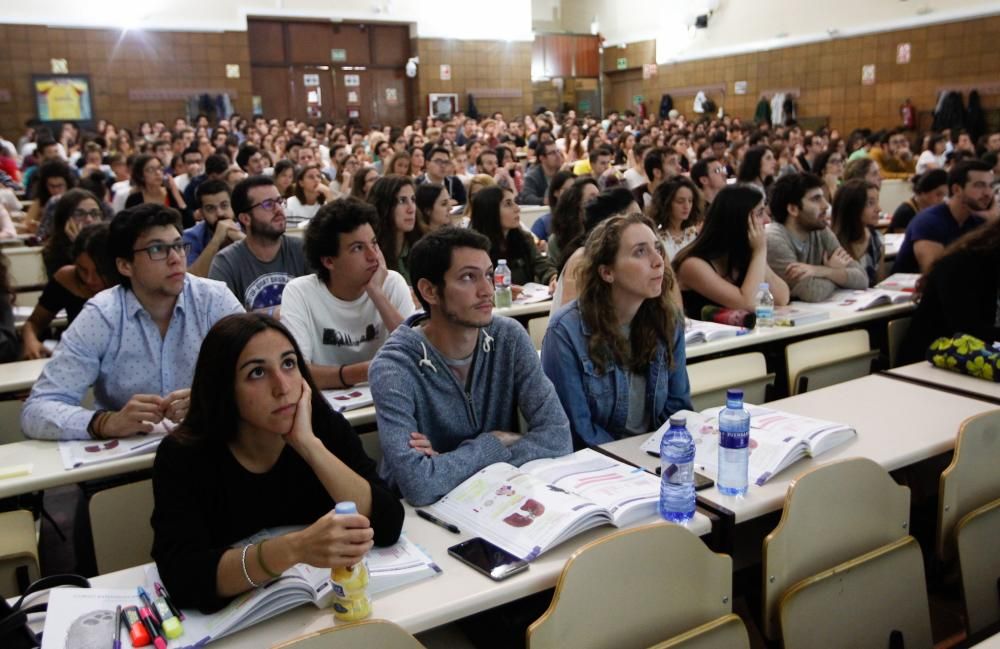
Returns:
(445,72)
(352,97)
(868,74)
(649,70)
(352,80)
(59,66)
(903,53)
(310,80)
(353,113)
(391,96)
(740,87)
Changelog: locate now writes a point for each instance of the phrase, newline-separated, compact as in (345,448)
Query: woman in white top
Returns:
(676,209)
(308,193)
(934,156)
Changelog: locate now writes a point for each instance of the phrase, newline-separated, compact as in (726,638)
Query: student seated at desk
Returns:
(74,210)
(961,294)
(215,229)
(341,314)
(393,198)
(448,383)
(10,349)
(616,355)
(855,217)
(260,448)
(69,288)
(727,263)
(136,344)
(801,250)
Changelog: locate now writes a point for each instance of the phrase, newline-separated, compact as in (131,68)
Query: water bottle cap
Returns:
(734,395)
(501,262)
(346,507)
(678,420)
(764,286)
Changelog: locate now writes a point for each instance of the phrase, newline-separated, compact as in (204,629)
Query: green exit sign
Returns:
(338,55)
(622,63)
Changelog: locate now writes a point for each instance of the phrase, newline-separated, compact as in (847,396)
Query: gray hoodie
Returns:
(415,390)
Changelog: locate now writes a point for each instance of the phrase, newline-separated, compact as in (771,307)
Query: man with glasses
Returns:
(216,227)
(438,161)
(192,167)
(257,268)
(536,181)
(136,344)
(709,174)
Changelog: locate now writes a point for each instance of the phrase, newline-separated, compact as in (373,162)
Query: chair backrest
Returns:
(833,513)
(643,585)
(370,442)
(380,634)
(710,379)
(972,479)
(18,550)
(897,330)
(975,540)
(10,421)
(726,632)
(27,270)
(861,602)
(536,329)
(827,360)
(119,518)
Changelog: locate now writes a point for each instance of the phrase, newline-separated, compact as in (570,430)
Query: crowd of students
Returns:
(649,222)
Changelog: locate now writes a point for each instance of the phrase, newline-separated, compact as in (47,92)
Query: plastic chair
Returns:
(644,585)
(819,362)
(18,552)
(119,518)
(373,447)
(536,329)
(832,514)
(366,634)
(897,330)
(971,480)
(710,379)
(863,602)
(975,540)
(726,632)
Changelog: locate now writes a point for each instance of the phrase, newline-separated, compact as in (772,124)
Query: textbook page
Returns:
(77,453)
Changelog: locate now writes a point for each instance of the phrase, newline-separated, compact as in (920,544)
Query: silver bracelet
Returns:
(243,560)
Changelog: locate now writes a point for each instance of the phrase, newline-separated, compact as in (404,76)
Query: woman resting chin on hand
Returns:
(259,449)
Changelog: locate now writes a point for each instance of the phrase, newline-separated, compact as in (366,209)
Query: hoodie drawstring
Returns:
(426,360)
(487,341)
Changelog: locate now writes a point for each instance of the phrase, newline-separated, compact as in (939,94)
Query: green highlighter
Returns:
(168,621)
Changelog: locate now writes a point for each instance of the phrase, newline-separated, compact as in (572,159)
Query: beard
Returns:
(456,319)
(265,230)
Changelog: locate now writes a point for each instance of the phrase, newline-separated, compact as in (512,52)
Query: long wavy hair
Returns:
(383,196)
(299,191)
(213,417)
(848,205)
(567,214)
(659,209)
(654,322)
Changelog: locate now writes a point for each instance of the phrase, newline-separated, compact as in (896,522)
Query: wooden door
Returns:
(312,97)
(623,87)
(272,85)
(353,95)
(389,97)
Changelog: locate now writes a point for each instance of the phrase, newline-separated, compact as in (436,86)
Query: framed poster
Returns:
(442,104)
(62,97)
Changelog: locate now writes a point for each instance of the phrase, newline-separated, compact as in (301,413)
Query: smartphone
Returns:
(700,481)
(496,563)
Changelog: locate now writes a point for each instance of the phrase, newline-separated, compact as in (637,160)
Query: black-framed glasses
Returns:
(80,215)
(440,161)
(159,251)
(270,204)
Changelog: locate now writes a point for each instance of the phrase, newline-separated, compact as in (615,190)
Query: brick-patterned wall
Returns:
(116,64)
(476,65)
(829,73)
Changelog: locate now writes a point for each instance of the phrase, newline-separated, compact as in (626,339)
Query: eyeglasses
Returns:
(270,204)
(159,251)
(80,215)
(439,161)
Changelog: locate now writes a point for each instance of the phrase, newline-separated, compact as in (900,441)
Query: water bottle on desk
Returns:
(502,296)
(764,306)
(734,445)
(677,472)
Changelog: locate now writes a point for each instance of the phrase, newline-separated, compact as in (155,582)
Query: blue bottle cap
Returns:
(734,394)
(346,507)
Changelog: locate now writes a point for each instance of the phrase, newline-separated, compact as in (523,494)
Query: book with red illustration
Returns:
(531,509)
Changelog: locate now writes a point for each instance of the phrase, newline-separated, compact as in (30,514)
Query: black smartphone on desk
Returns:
(494,562)
(700,481)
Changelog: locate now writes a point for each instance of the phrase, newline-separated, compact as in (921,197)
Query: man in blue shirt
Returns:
(216,227)
(136,343)
(970,183)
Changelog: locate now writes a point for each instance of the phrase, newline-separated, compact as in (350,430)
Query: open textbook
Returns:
(703,331)
(532,293)
(73,611)
(777,440)
(531,509)
(900,282)
(78,453)
(868,299)
(359,396)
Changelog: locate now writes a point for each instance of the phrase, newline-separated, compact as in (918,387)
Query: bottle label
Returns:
(501,279)
(734,438)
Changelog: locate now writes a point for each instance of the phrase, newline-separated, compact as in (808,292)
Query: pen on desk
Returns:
(437,521)
(117,644)
(155,635)
(162,592)
(149,606)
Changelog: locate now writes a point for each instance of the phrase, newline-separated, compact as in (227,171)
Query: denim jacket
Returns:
(597,403)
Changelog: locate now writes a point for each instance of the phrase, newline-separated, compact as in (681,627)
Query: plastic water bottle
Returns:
(501,285)
(734,445)
(677,472)
(764,308)
(350,585)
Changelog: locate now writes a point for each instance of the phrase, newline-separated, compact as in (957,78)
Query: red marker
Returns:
(154,631)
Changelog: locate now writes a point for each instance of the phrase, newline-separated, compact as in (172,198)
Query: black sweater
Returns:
(205,501)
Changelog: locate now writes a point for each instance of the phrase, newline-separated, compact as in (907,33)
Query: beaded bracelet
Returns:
(243,560)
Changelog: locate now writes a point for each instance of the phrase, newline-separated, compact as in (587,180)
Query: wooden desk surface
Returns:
(898,424)
(457,592)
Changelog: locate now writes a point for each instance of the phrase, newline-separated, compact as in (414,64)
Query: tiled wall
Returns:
(829,73)
(476,65)
(118,64)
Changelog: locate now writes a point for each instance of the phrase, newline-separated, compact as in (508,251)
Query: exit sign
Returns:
(622,63)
